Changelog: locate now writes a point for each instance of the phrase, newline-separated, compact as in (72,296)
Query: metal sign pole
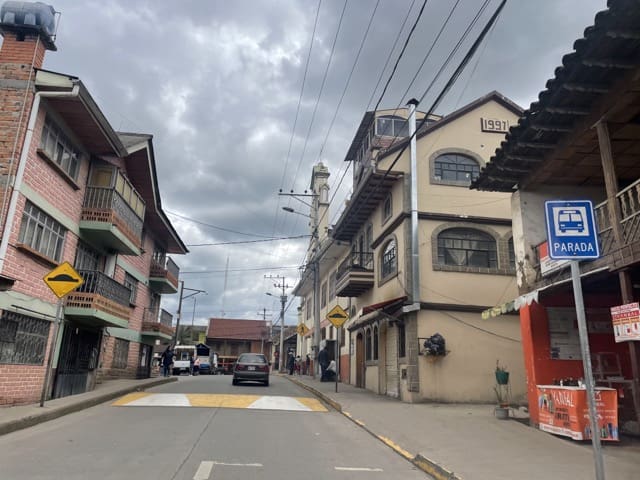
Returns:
(337,355)
(52,351)
(588,375)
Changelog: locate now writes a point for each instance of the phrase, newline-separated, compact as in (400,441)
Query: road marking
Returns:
(256,465)
(255,402)
(204,470)
(358,469)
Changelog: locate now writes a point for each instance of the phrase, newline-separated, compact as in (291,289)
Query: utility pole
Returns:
(179,312)
(283,302)
(314,263)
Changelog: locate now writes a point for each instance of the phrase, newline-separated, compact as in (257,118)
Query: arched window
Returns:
(367,344)
(375,343)
(392,126)
(465,247)
(456,168)
(389,259)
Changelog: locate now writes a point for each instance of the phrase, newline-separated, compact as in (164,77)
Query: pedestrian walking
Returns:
(298,367)
(323,360)
(166,360)
(291,363)
(307,362)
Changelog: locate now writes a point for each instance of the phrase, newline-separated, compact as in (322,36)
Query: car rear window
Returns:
(246,358)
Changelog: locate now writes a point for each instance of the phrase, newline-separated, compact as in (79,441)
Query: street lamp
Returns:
(315,265)
(283,301)
(179,312)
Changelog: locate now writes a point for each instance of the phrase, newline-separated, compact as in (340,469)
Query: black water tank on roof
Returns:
(31,15)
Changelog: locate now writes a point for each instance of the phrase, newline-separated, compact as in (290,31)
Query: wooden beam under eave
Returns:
(568,110)
(551,128)
(536,145)
(618,63)
(585,87)
(628,34)
(524,158)
(505,168)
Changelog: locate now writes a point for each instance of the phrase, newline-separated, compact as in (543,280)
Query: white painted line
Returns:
(279,403)
(257,465)
(161,400)
(358,469)
(204,470)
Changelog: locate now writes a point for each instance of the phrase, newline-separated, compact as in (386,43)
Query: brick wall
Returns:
(22,384)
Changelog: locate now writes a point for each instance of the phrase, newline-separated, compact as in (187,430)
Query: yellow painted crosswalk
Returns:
(206,400)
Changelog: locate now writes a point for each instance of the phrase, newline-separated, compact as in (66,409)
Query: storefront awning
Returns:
(371,312)
(528,298)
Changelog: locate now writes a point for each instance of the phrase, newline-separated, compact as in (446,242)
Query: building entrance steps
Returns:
(466,441)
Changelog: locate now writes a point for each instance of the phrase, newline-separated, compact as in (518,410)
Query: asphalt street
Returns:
(206,429)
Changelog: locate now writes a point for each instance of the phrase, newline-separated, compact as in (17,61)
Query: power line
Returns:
(255,269)
(217,227)
(248,241)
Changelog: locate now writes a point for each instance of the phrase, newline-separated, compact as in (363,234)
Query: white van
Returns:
(181,361)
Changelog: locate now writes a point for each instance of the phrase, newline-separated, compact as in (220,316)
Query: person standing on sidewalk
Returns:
(166,359)
(307,367)
(291,363)
(323,360)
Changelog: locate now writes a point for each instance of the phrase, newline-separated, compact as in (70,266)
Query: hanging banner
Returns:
(626,322)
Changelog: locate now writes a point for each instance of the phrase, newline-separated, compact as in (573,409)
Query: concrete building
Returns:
(408,260)
(73,190)
(580,140)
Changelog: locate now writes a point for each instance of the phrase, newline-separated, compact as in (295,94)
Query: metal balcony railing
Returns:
(105,286)
(164,264)
(361,261)
(107,198)
(166,318)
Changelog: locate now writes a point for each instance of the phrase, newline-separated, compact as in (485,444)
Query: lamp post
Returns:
(179,312)
(315,266)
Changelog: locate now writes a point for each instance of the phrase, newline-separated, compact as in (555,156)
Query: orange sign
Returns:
(564,411)
(626,322)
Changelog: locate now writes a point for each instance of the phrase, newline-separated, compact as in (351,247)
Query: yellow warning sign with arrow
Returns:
(337,316)
(63,279)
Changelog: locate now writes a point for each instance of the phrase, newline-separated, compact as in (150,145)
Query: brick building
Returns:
(74,190)
(230,337)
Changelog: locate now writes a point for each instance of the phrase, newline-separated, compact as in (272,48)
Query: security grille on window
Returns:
(389,259)
(465,247)
(41,232)
(368,344)
(375,343)
(120,353)
(87,258)
(323,289)
(59,148)
(131,283)
(453,167)
(23,340)
(512,254)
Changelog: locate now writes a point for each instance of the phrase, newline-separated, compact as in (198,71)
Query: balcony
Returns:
(157,326)
(99,301)
(163,275)
(109,222)
(355,275)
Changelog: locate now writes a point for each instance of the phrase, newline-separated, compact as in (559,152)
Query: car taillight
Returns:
(241,367)
(264,368)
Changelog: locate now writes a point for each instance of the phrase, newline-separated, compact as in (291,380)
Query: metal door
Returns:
(78,358)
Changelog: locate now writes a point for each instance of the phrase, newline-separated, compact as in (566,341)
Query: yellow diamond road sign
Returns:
(63,279)
(337,316)
(302,329)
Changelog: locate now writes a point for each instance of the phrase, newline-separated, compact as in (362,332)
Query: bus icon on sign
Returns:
(570,220)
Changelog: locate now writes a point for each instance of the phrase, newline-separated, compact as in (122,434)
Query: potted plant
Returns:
(502,374)
(502,395)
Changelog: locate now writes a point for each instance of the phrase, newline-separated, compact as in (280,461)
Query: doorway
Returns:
(78,360)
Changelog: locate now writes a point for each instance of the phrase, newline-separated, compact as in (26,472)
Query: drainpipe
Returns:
(17,184)
(415,256)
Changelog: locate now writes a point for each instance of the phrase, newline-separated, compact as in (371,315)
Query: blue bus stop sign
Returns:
(571,230)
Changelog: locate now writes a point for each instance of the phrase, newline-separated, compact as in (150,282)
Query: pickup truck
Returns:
(181,362)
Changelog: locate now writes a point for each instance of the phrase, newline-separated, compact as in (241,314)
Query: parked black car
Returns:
(253,367)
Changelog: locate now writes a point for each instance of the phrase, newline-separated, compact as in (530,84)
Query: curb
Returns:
(425,464)
(62,410)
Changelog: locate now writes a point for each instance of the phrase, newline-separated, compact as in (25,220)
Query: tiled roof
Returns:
(238,329)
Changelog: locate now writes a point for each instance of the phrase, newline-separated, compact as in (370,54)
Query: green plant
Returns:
(502,374)
(500,368)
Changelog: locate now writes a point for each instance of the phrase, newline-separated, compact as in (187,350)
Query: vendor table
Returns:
(564,411)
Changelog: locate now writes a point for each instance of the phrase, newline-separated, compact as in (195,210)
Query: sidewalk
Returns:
(16,418)
(454,441)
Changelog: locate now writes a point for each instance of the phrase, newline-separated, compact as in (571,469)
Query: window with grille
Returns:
(465,247)
(59,148)
(87,258)
(41,232)
(120,353)
(402,341)
(512,254)
(23,340)
(389,259)
(132,284)
(323,290)
(367,345)
(455,169)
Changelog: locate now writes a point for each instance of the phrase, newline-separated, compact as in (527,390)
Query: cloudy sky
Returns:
(221,83)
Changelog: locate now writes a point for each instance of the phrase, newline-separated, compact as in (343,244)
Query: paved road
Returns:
(242,432)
